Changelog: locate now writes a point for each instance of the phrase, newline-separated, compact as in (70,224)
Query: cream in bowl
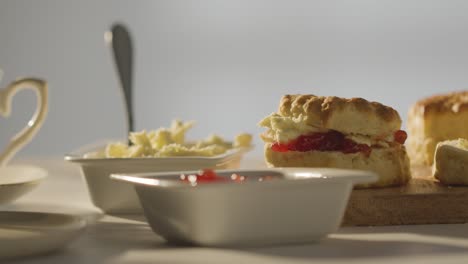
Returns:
(165,149)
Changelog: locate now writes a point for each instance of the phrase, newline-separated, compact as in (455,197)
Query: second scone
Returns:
(435,119)
(318,131)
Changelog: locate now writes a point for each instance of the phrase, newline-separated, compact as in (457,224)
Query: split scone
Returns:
(317,131)
(451,162)
(435,119)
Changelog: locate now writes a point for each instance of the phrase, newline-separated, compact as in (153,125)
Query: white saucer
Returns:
(18,180)
(30,233)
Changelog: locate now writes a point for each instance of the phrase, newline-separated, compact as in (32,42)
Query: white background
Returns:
(223,63)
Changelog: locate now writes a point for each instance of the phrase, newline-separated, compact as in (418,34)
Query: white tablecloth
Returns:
(118,240)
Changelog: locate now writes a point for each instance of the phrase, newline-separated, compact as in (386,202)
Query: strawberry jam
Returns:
(205,176)
(326,141)
(210,176)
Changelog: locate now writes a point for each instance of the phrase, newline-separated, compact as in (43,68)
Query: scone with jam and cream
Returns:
(318,131)
(434,119)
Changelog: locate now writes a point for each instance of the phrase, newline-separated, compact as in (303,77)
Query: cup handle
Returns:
(33,125)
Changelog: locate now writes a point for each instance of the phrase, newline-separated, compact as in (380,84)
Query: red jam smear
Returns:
(323,141)
(331,141)
(210,176)
(205,176)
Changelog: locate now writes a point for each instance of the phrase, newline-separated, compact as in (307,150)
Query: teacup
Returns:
(17,180)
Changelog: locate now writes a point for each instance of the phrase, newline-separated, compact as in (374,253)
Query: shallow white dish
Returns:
(17,180)
(302,205)
(30,233)
(118,198)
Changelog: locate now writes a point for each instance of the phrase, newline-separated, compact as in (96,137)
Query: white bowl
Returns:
(303,205)
(118,198)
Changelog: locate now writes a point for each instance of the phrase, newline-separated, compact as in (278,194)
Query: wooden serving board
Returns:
(423,201)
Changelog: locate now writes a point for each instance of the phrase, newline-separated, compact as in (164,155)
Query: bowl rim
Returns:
(287,176)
